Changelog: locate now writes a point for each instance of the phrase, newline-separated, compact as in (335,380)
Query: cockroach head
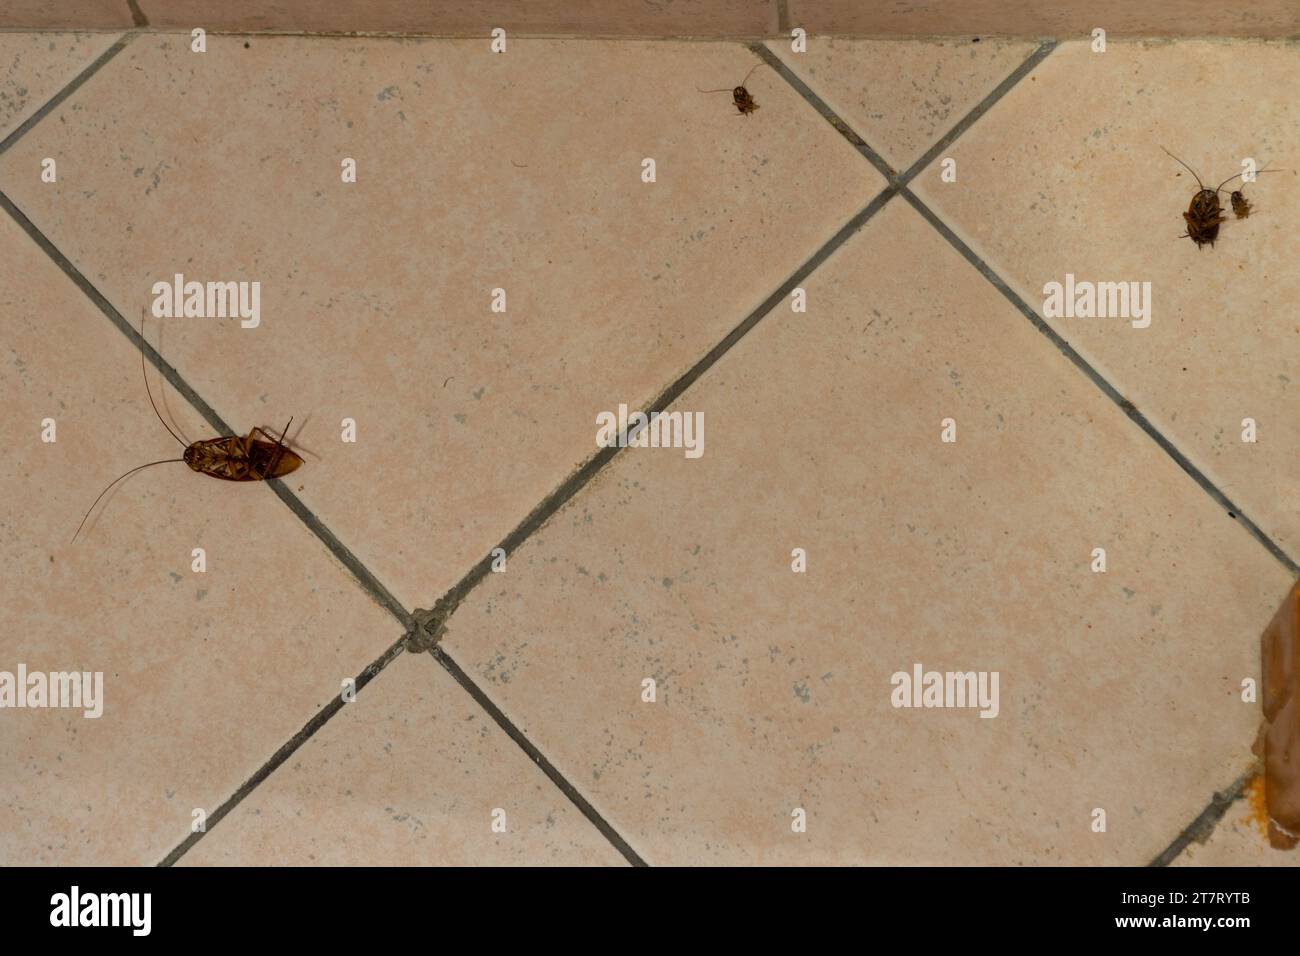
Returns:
(191,458)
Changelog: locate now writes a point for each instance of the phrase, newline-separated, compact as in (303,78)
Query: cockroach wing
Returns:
(267,460)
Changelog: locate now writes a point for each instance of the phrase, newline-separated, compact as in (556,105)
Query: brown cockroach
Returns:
(739,95)
(1204,214)
(229,458)
(1240,204)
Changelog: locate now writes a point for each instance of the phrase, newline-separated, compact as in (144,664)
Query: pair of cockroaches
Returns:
(1205,213)
(229,458)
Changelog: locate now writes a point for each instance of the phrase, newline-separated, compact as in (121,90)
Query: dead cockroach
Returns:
(1204,214)
(1240,204)
(739,95)
(230,458)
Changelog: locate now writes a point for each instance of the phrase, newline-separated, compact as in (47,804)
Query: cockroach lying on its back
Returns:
(1204,214)
(739,95)
(230,458)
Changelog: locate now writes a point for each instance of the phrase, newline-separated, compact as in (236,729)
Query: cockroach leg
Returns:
(292,443)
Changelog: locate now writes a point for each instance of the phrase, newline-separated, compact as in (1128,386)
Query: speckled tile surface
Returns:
(470,178)
(902,95)
(35,66)
(412,773)
(204,674)
(775,687)
(829,356)
(1088,192)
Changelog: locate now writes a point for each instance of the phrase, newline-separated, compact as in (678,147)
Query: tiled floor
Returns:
(525,736)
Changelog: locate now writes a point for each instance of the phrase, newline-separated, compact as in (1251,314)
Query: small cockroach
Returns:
(1204,214)
(1240,204)
(230,458)
(739,95)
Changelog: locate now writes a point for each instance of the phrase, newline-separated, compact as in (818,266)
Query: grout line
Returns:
(137,15)
(1211,815)
(557,499)
(1206,821)
(561,782)
(67,91)
(101,302)
(828,114)
(368,581)
(446,606)
(286,751)
(982,107)
(1107,389)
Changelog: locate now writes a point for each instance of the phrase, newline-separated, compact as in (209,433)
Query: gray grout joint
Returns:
(428,627)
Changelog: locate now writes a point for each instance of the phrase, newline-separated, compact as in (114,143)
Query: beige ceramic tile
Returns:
(65,15)
(1240,839)
(456,18)
(1050,184)
(408,775)
(205,674)
(519,171)
(35,66)
(1275,18)
(1117,690)
(901,96)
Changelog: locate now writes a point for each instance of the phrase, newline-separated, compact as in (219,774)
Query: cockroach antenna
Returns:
(740,96)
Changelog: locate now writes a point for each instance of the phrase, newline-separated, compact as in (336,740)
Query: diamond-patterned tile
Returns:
(412,773)
(1118,690)
(35,66)
(475,172)
(1044,192)
(901,96)
(205,673)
